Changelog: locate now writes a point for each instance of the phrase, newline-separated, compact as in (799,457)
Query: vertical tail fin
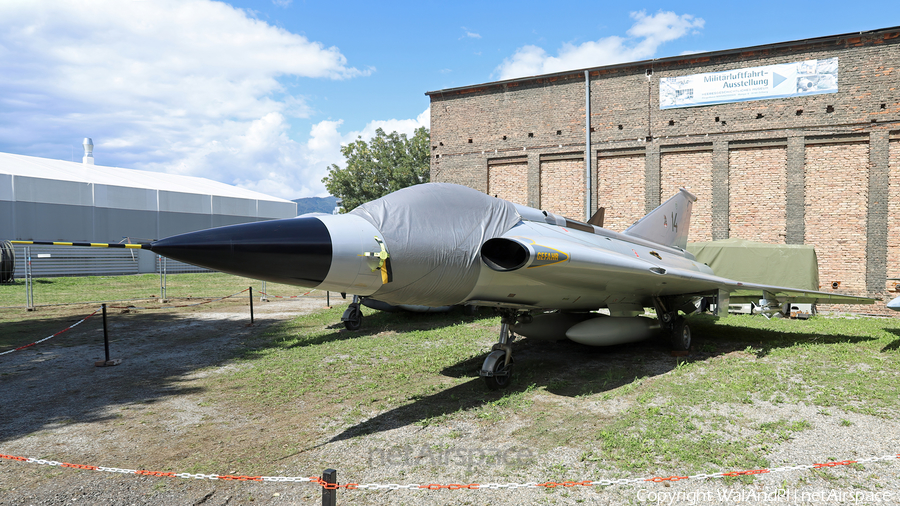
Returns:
(669,223)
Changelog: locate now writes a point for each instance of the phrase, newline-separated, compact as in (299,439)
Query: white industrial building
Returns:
(55,200)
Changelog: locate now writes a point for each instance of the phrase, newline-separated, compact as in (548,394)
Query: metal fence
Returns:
(32,262)
(55,261)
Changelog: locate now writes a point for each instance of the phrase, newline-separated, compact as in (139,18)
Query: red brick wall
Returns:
(544,116)
(620,189)
(837,184)
(756,200)
(562,187)
(507,181)
(691,170)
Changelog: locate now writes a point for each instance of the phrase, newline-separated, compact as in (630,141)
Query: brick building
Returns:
(820,166)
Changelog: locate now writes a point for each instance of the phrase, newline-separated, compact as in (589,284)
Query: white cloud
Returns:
(325,141)
(178,86)
(645,37)
(470,34)
(264,145)
(403,126)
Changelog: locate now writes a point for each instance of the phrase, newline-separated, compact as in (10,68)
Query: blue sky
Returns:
(262,93)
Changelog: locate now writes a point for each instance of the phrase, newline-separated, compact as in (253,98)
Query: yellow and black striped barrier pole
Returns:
(84,244)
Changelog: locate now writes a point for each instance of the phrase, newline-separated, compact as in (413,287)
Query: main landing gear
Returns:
(497,367)
(675,326)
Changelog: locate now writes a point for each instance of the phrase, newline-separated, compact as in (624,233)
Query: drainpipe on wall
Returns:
(587,145)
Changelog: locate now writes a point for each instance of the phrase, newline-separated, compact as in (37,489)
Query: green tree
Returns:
(383,165)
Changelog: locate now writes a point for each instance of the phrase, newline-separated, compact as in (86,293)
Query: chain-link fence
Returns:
(56,275)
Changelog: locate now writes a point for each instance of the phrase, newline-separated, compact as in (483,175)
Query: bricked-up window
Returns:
(893,255)
(692,170)
(756,194)
(620,189)
(562,186)
(508,180)
(837,183)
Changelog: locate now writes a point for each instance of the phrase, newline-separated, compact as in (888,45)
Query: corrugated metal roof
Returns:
(45,168)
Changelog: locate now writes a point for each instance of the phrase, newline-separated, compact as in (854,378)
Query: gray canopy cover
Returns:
(444,260)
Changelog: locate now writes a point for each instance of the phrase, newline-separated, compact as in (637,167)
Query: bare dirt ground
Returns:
(152,410)
(138,414)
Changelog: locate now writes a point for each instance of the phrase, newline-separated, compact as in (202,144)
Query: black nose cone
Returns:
(295,250)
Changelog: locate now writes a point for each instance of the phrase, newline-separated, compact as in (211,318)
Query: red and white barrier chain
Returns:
(52,336)
(288,296)
(121,307)
(144,472)
(167,306)
(453,486)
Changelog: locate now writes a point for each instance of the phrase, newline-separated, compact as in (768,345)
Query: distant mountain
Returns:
(315,205)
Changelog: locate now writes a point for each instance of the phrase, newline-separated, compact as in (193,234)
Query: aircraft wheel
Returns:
(354,319)
(501,374)
(681,335)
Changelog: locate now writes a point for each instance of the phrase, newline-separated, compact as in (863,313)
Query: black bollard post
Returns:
(108,362)
(329,496)
(105,333)
(251,305)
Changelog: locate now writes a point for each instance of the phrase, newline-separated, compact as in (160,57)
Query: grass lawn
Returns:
(694,413)
(72,290)
(626,410)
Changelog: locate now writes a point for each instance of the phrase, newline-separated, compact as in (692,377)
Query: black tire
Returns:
(354,322)
(499,382)
(7,262)
(681,335)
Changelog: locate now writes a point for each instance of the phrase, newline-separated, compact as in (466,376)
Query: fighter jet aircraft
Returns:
(441,244)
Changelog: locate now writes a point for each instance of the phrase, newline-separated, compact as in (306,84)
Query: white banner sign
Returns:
(810,77)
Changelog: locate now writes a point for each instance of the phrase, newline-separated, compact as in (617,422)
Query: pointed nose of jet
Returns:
(294,250)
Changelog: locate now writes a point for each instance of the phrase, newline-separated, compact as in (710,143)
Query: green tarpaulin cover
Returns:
(788,265)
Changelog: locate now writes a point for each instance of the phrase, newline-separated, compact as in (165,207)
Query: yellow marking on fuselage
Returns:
(546,256)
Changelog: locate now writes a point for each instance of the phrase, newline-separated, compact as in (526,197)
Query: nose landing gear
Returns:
(497,367)
(353,316)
